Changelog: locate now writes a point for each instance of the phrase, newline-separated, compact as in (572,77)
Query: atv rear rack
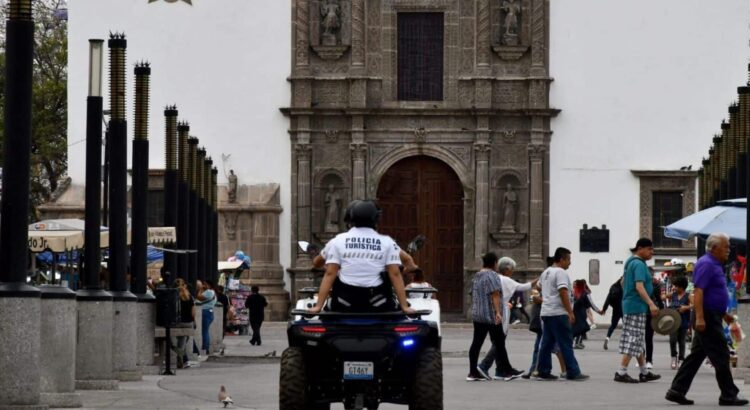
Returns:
(370,315)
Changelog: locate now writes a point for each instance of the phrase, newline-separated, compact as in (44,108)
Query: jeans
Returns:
(498,353)
(616,316)
(557,329)
(535,355)
(675,339)
(480,333)
(206,319)
(710,343)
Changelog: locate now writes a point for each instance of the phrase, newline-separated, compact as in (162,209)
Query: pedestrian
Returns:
(486,312)
(557,318)
(711,300)
(637,289)
(206,300)
(518,308)
(505,267)
(657,296)
(418,282)
(222,298)
(187,316)
(680,302)
(614,299)
(581,305)
(256,305)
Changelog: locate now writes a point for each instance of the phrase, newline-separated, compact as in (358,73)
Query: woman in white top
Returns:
(418,282)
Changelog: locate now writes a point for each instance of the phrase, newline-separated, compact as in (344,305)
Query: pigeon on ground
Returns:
(224,398)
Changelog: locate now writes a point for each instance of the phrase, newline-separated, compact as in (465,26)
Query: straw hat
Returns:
(666,322)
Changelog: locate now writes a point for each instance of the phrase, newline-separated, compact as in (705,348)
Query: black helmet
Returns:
(364,214)
(348,212)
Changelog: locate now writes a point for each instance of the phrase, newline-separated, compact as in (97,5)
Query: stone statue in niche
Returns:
(330,12)
(512,10)
(332,204)
(232,189)
(510,209)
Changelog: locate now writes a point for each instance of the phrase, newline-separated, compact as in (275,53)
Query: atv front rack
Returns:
(369,315)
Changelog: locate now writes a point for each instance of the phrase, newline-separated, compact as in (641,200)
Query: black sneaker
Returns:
(678,398)
(475,378)
(648,377)
(545,377)
(624,378)
(579,378)
(483,372)
(526,376)
(734,401)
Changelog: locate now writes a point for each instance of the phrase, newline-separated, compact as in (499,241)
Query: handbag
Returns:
(535,324)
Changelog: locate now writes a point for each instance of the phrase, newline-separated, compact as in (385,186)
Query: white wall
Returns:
(641,84)
(223,63)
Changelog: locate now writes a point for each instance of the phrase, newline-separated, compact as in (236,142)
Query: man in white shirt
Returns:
(354,263)
(505,268)
(557,318)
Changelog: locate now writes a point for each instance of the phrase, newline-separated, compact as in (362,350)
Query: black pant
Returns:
(616,316)
(497,353)
(649,341)
(675,339)
(517,313)
(348,298)
(496,336)
(710,343)
(255,325)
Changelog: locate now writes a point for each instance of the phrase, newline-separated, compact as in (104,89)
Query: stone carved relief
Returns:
(536,151)
(537,94)
(330,34)
(330,197)
(379,152)
(507,211)
(512,156)
(509,94)
(332,136)
(420,135)
(332,204)
(509,41)
(230,224)
(232,187)
(509,136)
(462,152)
(302,21)
(510,210)
(511,21)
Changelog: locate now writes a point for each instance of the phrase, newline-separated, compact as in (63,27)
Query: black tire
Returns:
(292,380)
(427,390)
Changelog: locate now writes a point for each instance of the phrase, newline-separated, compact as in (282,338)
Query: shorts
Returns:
(633,338)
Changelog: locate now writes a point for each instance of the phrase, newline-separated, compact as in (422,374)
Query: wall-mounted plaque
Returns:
(594,239)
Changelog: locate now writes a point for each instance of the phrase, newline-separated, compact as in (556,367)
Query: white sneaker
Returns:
(515,322)
(649,366)
(593,326)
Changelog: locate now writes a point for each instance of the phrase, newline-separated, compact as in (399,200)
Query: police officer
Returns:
(355,261)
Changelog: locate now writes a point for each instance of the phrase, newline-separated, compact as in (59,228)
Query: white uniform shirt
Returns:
(362,255)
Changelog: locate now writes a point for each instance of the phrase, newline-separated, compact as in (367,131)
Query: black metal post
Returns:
(139,234)
(215,224)
(16,151)
(183,201)
(201,243)
(208,164)
(170,183)
(93,217)
(118,208)
(193,216)
(105,178)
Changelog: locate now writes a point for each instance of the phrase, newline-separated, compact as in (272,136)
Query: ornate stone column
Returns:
(302,41)
(537,153)
(538,39)
(358,36)
(483,37)
(359,158)
(304,184)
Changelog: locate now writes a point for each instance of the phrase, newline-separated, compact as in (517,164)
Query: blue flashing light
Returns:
(407,342)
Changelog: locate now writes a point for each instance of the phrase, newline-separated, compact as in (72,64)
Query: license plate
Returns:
(358,370)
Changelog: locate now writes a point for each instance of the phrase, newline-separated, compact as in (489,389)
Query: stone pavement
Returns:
(251,373)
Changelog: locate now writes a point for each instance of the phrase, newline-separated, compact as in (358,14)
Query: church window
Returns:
(420,56)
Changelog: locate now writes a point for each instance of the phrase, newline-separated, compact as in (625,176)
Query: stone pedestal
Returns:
(58,348)
(20,330)
(145,325)
(94,364)
(125,336)
(217,331)
(742,371)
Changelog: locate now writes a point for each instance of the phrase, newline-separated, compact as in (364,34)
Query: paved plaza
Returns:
(252,379)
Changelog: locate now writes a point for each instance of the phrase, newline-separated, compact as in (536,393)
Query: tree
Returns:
(49,150)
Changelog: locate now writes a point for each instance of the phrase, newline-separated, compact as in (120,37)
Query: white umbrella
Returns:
(728,216)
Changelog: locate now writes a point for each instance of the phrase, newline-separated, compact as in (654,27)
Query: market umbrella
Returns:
(728,216)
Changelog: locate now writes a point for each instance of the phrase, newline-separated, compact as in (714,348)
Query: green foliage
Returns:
(49,160)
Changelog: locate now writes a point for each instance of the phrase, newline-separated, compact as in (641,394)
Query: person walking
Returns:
(657,296)
(680,302)
(614,299)
(557,319)
(486,313)
(637,289)
(581,305)
(206,300)
(256,305)
(711,299)
(505,267)
(187,316)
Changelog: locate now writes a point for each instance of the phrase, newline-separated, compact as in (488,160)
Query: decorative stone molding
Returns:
(420,135)
(510,53)
(509,136)
(330,53)
(230,225)
(537,151)
(332,136)
(508,240)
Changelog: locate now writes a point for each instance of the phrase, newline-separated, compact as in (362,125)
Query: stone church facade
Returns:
(358,131)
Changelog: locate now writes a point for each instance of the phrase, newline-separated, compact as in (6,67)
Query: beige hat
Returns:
(666,322)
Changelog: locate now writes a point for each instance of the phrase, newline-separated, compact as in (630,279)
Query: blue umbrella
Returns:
(728,216)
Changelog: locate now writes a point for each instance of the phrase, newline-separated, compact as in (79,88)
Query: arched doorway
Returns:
(422,195)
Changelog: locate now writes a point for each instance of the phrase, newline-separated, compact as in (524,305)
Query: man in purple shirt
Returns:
(711,300)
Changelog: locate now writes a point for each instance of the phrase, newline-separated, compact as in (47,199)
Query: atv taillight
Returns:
(406,330)
(317,330)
